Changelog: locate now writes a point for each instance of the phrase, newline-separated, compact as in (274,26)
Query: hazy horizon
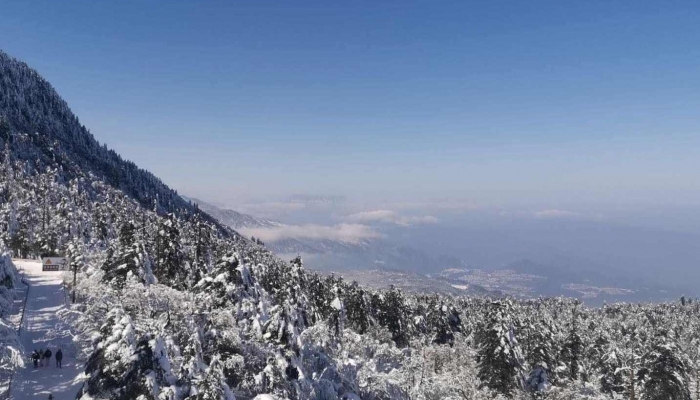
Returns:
(588,109)
(565,135)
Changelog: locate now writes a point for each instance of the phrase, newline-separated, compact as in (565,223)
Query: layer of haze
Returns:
(566,108)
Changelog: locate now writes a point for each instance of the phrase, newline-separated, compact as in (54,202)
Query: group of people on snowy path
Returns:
(42,358)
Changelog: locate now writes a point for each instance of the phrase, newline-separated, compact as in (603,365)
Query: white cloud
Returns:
(390,217)
(280,209)
(350,233)
(436,205)
(269,209)
(373,216)
(555,213)
(424,219)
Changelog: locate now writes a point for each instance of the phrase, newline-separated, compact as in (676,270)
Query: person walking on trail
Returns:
(47,355)
(41,358)
(35,358)
(59,357)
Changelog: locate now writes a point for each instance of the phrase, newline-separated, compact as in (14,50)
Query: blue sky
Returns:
(539,105)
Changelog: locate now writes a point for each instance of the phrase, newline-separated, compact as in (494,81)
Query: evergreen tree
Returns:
(357,308)
(202,249)
(441,321)
(394,314)
(665,371)
(129,260)
(572,352)
(540,355)
(610,368)
(212,386)
(7,174)
(499,358)
(169,258)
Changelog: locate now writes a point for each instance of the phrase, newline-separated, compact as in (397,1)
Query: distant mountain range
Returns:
(379,263)
(233,219)
(337,254)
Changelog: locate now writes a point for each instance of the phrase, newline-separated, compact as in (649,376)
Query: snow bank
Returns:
(265,397)
(10,348)
(9,279)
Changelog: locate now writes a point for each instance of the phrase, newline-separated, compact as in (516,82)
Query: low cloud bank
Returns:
(269,210)
(350,233)
(390,217)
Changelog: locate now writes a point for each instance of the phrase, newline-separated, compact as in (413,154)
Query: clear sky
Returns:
(549,105)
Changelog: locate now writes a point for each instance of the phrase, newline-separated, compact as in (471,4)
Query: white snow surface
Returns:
(41,329)
(265,397)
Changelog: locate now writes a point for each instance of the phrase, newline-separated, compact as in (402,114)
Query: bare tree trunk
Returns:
(633,395)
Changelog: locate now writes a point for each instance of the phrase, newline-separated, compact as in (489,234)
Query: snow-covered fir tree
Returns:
(665,370)
(500,359)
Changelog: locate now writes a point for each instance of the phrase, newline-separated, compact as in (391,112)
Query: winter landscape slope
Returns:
(47,132)
(170,305)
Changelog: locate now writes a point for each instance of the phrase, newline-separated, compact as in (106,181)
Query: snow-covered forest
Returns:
(172,305)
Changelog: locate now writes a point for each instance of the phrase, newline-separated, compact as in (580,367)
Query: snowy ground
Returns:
(41,329)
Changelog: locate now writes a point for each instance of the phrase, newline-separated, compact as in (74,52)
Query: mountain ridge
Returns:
(46,131)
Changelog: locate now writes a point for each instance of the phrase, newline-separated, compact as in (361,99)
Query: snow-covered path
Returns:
(41,329)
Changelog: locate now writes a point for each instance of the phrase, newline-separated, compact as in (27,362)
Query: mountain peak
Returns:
(41,130)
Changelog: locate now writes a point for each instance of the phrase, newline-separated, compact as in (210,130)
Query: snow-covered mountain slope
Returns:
(171,306)
(231,218)
(41,129)
(239,221)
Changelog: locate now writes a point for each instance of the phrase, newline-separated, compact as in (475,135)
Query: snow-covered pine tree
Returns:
(541,353)
(393,313)
(609,367)
(212,384)
(499,357)
(357,308)
(127,260)
(572,352)
(665,370)
(338,315)
(169,258)
(441,320)
(202,249)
